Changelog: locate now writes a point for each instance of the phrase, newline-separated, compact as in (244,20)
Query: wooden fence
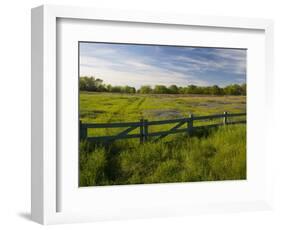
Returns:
(143,126)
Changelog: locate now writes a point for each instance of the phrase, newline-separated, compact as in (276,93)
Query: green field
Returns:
(217,154)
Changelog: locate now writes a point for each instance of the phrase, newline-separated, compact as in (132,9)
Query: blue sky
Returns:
(136,65)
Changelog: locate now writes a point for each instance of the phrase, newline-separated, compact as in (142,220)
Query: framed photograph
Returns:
(138,114)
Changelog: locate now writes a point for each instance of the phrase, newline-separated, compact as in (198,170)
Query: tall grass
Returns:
(218,154)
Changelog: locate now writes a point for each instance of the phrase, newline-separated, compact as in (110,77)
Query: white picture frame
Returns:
(45,167)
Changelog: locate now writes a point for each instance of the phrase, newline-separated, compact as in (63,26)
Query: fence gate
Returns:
(144,124)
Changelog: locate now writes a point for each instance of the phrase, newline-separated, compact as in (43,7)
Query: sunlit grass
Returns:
(116,107)
(217,154)
(206,155)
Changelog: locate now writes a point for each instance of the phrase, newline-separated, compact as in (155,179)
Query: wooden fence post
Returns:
(225,118)
(83,131)
(145,130)
(190,123)
(141,130)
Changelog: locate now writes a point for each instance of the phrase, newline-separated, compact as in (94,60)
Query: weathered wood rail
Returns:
(144,124)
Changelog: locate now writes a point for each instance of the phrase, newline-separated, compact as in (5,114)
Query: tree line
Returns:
(93,84)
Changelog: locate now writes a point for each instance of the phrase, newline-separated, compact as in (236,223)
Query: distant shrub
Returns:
(93,84)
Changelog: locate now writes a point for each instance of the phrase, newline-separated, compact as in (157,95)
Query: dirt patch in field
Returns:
(209,104)
(163,113)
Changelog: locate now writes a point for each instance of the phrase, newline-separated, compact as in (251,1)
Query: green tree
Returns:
(216,90)
(173,89)
(233,89)
(82,83)
(160,89)
(96,85)
(91,84)
(145,89)
(128,89)
(109,88)
(244,89)
(116,89)
(191,89)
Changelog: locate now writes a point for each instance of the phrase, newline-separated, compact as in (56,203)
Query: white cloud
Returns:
(134,73)
(123,65)
(229,60)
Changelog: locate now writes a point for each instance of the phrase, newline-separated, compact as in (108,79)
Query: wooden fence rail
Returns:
(143,126)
